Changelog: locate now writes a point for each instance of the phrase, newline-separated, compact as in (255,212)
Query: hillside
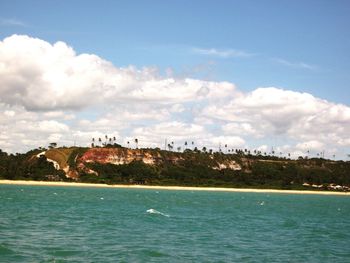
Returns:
(119,165)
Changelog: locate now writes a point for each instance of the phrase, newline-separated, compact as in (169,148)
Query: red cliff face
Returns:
(98,155)
(119,156)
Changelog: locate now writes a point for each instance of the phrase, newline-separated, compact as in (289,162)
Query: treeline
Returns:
(196,170)
(28,167)
(189,168)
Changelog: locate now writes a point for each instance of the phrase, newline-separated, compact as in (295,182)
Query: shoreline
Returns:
(182,188)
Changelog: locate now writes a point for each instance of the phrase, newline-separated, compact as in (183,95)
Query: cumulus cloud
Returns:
(241,128)
(221,141)
(48,93)
(301,117)
(41,76)
(180,132)
(173,129)
(21,130)
(281,111)
(310,146)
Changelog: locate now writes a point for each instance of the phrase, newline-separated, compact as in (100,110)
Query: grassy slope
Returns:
(60,155)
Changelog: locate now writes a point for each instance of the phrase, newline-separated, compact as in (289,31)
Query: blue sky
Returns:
(211,71)
(164,34)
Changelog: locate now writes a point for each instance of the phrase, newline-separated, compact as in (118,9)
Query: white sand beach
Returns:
(183,188)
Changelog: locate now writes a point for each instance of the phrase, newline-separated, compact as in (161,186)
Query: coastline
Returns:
(182,188)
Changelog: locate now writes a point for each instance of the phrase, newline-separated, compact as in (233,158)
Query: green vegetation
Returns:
(200,169)
(189,168)
(60,155)
(74,155)
(135,172)
(28,167)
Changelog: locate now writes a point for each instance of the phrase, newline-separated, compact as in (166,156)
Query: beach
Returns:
(182,188)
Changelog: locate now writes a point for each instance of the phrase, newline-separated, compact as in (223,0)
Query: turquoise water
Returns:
(71,224)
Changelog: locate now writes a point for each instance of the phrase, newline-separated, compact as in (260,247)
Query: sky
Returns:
(250,74)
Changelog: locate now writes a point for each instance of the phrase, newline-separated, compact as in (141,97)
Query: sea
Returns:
(83,224)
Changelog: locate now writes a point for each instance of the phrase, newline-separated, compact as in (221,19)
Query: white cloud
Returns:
(301,65)
(22,130)
(48,92)
(41,76)
(263,149)
(9,113)
(266,112)
(12,22)
(174,129)
(222,53)
(177,108)
(310,146)
(230,141)
(179,133)
(241,128)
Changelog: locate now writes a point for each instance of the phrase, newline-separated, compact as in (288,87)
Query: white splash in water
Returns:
(153,211)
(262,203)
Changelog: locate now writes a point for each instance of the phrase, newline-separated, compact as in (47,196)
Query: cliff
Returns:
(73,161)
(119,165)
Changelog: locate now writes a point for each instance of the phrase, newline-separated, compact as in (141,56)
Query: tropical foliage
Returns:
(187,168)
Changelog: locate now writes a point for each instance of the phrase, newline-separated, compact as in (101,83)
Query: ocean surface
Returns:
(72,224)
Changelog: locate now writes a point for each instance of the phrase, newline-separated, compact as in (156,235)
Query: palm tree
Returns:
(136,142)
(185,145)
(192,144)
(128,144)
(226,148)
(100,140)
